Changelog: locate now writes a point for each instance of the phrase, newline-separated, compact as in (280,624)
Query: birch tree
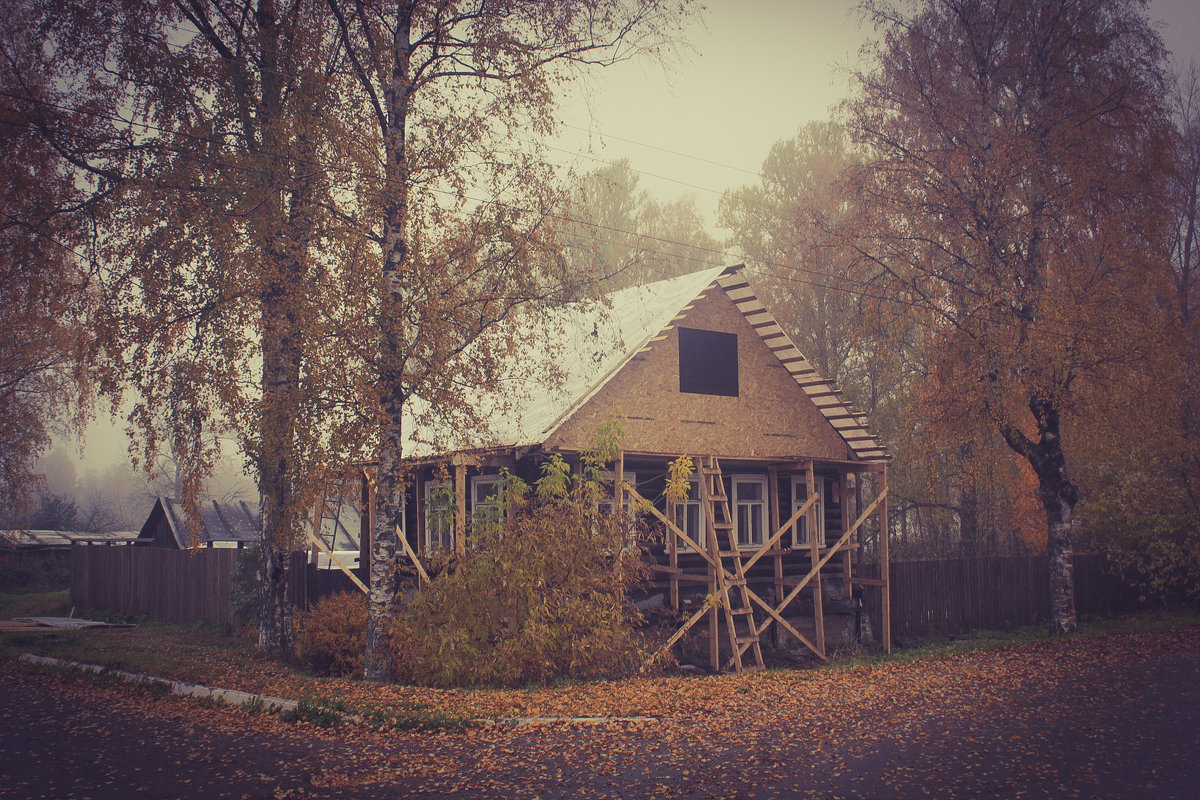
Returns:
(43,378)
(205,125)
(456,199)
(1012,152)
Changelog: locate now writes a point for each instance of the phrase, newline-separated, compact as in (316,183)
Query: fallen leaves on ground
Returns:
(800,732)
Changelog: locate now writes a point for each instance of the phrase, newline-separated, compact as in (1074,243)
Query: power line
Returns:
(664,150)
(199,36)
(849,285)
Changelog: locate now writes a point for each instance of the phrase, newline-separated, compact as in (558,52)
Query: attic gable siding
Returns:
(771,417)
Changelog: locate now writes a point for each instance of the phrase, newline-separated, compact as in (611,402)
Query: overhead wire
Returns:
(846,285)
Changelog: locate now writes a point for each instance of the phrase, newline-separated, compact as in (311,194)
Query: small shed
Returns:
(28,541)
(221,525)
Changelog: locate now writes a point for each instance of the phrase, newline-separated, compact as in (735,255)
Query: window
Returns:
(483,497)
(604,504)
(799,496)
(689,514)
(440,508)
(708,362)
(749,508)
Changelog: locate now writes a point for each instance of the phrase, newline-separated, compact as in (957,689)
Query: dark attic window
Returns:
(708,362)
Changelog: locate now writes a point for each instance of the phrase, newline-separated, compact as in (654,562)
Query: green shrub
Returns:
(541,594)
(331,635)
(244,593)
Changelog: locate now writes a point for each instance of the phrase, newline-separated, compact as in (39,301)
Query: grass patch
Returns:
(331,712)
(936,647)
(35,604)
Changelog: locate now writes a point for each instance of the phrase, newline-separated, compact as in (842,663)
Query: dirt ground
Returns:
(1114,716)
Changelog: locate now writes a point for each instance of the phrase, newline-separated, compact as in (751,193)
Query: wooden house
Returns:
(698,366)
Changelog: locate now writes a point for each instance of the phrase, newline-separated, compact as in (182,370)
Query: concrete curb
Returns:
(233,697)
(230,697)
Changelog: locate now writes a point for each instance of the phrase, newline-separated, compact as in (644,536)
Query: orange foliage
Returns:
(331,635)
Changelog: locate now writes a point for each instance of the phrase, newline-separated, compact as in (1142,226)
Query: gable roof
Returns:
(850,424)
(588,343)
(220,522)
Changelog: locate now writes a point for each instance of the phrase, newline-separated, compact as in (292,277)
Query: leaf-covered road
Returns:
(1111,716)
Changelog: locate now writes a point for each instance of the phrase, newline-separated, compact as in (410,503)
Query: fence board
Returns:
(180,586)
(956,596)
(947,597)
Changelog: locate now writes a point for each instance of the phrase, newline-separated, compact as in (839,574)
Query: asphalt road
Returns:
(1109,717)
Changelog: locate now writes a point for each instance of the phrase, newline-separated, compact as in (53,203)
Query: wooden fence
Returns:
(955,596)
(929,598)
(179,586)
(171,585)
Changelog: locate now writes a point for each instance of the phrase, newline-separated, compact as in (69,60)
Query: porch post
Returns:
(885,572)
(460,496)
(814,550)
(366,524)
(618,479)
(773,521)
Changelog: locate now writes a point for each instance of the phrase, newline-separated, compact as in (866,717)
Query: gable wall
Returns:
(771,417)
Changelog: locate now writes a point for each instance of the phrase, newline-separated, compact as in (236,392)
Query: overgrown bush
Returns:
(244,594)
(331,635)
(541,594)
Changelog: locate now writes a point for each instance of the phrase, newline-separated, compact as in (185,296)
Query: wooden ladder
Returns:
(739,616)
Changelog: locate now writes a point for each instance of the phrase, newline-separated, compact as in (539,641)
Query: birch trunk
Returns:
(381,601)
(1058,496)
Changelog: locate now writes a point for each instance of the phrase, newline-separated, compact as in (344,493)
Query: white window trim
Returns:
(608,478)
(763,501)
(477,502)
(701,535)
(800,484)
(430,546)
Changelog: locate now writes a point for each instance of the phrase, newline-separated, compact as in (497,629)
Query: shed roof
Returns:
(31,539)
(220,522)
(587,343)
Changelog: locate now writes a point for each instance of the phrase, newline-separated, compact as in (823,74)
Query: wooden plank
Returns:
(815,556)
(885,565)
(460,496)
(769,543)
(408,551)
(336,561)
(777,559)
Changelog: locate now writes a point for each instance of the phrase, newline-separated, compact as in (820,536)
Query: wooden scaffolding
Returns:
(731,604)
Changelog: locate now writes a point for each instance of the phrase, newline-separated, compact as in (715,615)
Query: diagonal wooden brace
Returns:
(767,545)
(817,567)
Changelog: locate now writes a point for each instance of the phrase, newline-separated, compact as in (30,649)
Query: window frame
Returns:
(761,503)
(447,539)
(604,503)
(800,526)
(477,502)
(694,500)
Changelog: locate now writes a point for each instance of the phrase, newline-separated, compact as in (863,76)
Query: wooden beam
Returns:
(814,550)
(777,561)
(460,518)
(769,543)
(335,560)
(408,551)
(831,551)
(671,526)
(776,615)
(885,566)
(618,481)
